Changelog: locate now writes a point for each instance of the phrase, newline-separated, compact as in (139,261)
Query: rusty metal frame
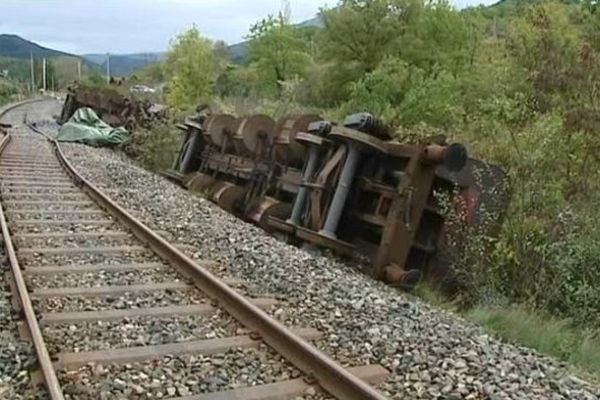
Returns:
(333,378)
(404,217)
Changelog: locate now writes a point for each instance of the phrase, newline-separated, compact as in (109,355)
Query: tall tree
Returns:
(366,31)
(277,51)
(189,69)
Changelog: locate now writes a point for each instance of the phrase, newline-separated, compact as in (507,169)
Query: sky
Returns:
(132,26)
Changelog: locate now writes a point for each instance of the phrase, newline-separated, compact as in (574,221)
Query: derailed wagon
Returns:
(350,187)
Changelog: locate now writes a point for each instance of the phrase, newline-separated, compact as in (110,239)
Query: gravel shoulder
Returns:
(431,353)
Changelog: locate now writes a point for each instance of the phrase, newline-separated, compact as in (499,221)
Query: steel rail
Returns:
(49,374)
(318,367)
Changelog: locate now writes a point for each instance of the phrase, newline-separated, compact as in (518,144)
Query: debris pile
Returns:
(112,107)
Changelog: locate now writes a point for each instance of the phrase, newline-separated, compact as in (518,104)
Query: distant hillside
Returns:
(313,22)
(124,64)
(505,8)
(62,67)
(239,51)
(14,46)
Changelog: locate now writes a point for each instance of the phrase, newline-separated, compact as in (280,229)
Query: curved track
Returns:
(59,228)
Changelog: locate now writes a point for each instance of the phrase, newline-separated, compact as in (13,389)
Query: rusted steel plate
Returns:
(139,354)
(111,315)
(288,390)
(108,290)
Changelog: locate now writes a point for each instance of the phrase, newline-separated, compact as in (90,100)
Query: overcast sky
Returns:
(127,26)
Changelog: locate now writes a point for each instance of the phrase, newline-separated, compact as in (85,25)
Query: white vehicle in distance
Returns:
(142,89)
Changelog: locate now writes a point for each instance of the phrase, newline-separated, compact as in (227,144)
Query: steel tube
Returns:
(302,196)
(193,147)
(341,192)
(177,160)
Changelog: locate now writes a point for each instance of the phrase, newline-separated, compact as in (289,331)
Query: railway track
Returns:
(93,284)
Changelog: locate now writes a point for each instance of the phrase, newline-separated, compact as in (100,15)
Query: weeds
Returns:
(547,334)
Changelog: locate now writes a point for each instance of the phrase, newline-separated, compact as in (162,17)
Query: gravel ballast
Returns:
(431,353)
(103,335)
(177,376)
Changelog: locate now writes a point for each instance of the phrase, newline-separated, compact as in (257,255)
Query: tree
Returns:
(277,52)
(361,34)
(546,44)
(366,31)
(189,69)
(440,37)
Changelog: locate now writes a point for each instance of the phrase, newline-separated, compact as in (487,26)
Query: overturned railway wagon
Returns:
(350,187)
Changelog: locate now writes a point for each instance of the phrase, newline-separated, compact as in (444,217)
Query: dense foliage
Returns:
(8,90)
(189,69)
(517,82)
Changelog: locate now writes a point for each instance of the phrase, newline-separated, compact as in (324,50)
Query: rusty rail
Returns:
(49,375)
(319,368)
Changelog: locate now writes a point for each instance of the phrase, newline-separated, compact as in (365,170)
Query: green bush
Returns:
(550,335)
(7,91)
(154,148)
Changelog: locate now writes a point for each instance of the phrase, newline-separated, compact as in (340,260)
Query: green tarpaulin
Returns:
(86,127)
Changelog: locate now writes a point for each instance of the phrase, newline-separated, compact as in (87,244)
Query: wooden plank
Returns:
(155,312)
(144,353)
(288,390)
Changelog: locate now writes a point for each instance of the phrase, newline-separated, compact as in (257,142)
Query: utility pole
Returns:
(32,73)
(108,68)
(44,77)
